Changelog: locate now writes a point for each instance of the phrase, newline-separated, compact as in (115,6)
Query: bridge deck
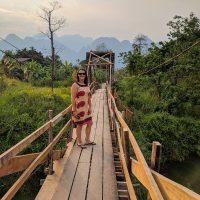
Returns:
(88,173)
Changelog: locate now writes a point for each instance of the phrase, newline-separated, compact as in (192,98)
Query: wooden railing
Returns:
(10,163)
(158,186)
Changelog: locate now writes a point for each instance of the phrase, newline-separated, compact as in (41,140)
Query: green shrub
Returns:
(178,136)
(3,84)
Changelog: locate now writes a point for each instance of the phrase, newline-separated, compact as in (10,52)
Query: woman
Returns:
(81,107)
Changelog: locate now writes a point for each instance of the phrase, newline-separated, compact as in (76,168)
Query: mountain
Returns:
(68,47)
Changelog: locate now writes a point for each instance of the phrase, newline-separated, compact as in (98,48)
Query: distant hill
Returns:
(68,47)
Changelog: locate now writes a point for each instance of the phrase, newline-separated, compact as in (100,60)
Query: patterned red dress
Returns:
(82,115)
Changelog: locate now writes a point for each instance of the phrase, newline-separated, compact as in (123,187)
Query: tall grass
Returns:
(24,108)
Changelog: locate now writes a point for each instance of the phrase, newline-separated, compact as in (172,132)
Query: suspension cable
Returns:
(9,43)
(185,50)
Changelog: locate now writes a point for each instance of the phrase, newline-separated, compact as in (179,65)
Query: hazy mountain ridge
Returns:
(68,47)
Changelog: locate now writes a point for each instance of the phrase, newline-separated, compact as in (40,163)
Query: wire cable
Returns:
(185,50)
(9,43)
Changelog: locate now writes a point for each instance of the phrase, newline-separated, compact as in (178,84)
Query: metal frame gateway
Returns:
(102,59)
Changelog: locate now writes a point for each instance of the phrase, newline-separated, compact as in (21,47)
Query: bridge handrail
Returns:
(125,168)
(150,182)
(10,153)
(25,175)
(167,188)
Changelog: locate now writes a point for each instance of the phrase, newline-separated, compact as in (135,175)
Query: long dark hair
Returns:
(86,77)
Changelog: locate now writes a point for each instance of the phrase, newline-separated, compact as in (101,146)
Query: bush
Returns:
(179,136)
(3,84)
(23,110)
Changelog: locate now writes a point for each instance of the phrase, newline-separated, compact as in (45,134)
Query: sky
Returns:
(123,19)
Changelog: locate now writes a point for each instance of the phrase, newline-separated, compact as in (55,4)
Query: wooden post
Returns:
(121,130)
(125,144)
(69,136)
(113,110)
(112,114)
(50,138)
(90,72)
(126,148)
(108,74)
(123,115)
(110,77)
(155,158)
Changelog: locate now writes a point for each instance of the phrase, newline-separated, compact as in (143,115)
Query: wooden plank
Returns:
(60,116)
(20,163)
(65,183)
(101,58)
(25,175)
(109,178)
(80,182)
(97,59)
(95,180)
(51,182)
(170,189)
(81,177)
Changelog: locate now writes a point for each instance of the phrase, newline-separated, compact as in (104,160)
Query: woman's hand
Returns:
(74,113)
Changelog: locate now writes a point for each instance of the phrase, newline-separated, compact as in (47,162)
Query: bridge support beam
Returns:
(50,138)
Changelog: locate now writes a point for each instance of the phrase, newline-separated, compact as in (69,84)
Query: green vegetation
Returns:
(24,108)
(31,66)
(25,98)
(165,99)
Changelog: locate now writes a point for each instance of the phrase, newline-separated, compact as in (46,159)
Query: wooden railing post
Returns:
(126,148)
(156,156)
(121,130)
(50,138)
(69,136)
(123,115)
(113,115)
(125,144)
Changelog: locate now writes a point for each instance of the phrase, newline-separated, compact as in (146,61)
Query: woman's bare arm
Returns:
(74,90)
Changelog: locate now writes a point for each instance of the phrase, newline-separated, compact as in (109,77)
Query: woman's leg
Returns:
(78,133)
(87,132)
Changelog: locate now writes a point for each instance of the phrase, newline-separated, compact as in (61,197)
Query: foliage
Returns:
(23,109)
(100,75)
(165,98)
(3,85)
(36,69)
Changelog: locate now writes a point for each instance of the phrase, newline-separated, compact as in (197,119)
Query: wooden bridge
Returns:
(103,171)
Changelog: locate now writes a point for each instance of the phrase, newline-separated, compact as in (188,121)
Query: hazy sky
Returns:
(123,19)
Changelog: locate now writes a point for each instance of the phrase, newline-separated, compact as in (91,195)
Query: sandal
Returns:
(90,143)
(82,146)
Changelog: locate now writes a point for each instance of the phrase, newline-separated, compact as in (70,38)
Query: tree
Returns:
(184,29)
(134,58)
(140,44)
(54,24)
